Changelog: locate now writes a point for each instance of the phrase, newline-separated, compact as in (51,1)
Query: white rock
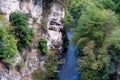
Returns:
(54,25)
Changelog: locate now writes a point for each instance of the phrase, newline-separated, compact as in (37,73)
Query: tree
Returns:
(108,4)
(112,44)
(94,28)
(95,66)
(68,21)
(95,24)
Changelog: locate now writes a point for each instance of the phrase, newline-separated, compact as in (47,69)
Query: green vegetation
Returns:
(68,21)
(8,43)
(38,75)
(51,65)
(42,46)
(51,71)
(8,46)
(96,65)
(22,32)
(96,25)
(2,17)
(18,19)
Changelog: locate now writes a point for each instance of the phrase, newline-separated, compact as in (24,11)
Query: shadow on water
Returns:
(68,70)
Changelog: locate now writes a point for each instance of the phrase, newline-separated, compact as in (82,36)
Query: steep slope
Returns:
(34,10)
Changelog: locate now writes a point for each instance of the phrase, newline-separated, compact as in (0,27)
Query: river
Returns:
(68,70)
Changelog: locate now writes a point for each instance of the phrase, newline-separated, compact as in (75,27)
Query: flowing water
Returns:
(68,70)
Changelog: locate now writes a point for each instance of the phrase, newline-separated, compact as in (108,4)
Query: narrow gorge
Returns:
(59,39)
(69,70)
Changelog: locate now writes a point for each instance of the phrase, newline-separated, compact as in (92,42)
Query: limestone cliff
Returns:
(34,10)
(54,26)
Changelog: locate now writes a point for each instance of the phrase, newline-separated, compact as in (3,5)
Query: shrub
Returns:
(5,22)
(42,47)
(8,46)
(2,17)
(51,65)
(18,19)
(23,33)
(25,36)
(38,75)
(8,63)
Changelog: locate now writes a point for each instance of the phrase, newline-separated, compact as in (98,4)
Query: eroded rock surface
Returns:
(34,11)
(54,26)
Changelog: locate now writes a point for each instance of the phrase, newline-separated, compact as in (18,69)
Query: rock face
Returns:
(33,9)
(54,26)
